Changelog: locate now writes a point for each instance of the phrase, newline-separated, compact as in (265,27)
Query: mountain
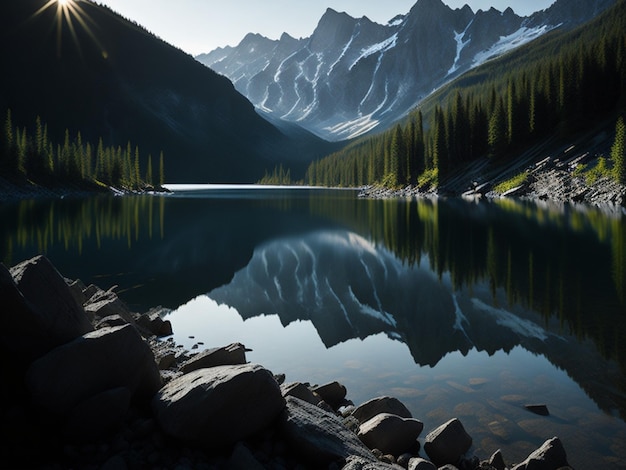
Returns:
(354,75)
(107,77)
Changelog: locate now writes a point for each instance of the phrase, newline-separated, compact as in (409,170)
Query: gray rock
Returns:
(359,463)
(375,406)
(39,311)
(332,393)
(154,323)
(220,405)
(391,434)
(318,435)
(404,459)
(94,363)
(96,416)
(549,456)
(497,460)
(110,321)
(233,354)
(301,391)
(447,443)
(104,304)
(417,463)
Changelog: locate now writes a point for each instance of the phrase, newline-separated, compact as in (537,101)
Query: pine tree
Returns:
(161,170)
(149,181)
(618,152)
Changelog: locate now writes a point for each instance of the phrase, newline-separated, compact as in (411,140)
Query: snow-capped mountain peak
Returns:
(353,75)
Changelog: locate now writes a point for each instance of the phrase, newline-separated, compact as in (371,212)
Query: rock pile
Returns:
(91,385)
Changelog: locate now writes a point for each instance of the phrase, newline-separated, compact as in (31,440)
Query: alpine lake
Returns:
(459,309)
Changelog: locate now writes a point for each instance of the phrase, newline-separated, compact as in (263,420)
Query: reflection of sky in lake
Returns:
(486,392)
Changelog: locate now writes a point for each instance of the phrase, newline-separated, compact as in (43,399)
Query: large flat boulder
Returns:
(390,434)
(219,406)
(320,436)
(98,361)
(39,310)
(230,355)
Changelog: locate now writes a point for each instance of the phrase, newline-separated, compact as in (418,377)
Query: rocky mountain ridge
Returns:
(354,75)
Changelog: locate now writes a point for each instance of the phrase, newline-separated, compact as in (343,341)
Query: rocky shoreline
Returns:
(91,384)
(549,180)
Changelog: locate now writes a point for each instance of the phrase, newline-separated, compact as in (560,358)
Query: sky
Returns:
(198,26)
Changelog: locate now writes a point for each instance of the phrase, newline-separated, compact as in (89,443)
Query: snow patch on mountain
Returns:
(507,43)
(384,46)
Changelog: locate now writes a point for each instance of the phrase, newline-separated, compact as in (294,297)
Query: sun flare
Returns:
(70,14)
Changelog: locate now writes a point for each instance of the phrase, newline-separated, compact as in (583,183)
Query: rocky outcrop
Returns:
(232,354)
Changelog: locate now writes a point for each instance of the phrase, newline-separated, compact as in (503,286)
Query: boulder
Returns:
(233,354)
(332,393)
(497,460)
(111,320)
(39,311)
(379,405)
(447,443)
(389,433)
(98,361)
(417,463)
(301,391)
(104,304)
(219,406)
(550,456)
(154,323)
(319,436)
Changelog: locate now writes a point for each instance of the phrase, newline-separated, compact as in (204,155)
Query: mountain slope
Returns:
(109,78)
(354,75)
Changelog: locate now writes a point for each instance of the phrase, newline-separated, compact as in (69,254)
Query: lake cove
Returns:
(460,310)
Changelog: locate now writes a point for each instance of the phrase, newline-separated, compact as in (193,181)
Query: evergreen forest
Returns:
(561,84)
(31,155)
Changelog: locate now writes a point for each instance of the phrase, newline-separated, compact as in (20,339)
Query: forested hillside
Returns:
(560,84)
(30,154)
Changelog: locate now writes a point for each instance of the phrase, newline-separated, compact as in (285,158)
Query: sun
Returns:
(70,14)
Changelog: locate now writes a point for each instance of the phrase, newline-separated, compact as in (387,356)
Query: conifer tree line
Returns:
(569,82)
(30,153)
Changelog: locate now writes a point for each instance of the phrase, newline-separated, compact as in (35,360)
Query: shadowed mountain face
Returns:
(109,78)
(353,75)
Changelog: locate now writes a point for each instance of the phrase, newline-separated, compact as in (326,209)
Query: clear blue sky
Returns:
(198,26)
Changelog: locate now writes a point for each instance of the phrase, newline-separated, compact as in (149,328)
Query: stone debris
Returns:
(91,385)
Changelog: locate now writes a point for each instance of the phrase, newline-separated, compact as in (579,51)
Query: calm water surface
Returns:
(459,309)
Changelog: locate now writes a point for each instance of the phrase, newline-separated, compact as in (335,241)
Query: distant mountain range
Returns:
(353,75)
(109,78)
